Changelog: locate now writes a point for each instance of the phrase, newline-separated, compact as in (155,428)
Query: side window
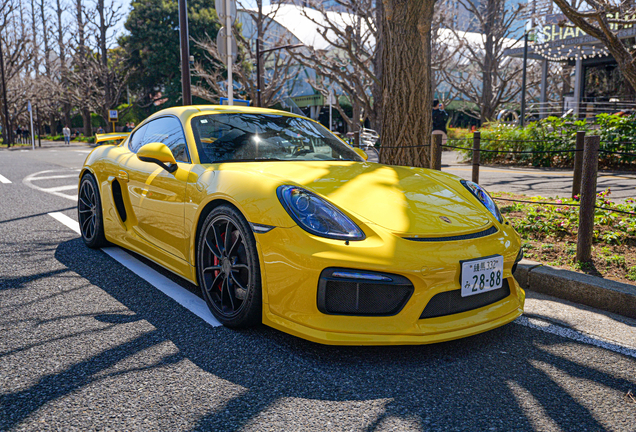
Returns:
(137,138)
(168,130)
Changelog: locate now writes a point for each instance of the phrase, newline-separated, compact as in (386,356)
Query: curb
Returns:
(604,294)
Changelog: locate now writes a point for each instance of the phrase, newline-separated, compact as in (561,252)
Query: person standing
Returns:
(67,135)
(440,117)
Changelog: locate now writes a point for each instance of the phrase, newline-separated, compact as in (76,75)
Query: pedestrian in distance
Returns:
(127,127)
(67,135)
(440,118)
(100,130)
(18,134)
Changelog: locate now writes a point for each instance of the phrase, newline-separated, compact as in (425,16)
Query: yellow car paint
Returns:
(157,151)
(388,203)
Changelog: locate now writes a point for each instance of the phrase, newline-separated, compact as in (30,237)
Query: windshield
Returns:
(255,137)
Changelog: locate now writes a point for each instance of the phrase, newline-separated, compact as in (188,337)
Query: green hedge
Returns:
(618,134)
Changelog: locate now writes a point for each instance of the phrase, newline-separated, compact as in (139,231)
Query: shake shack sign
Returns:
(558,27)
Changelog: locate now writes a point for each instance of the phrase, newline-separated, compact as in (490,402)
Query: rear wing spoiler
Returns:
(117,136)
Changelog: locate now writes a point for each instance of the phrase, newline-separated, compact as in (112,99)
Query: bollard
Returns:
(578,164)
(356,139)
(476,146)
(436,152)
(588,199)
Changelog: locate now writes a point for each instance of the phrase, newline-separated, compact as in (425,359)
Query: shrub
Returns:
(618,134)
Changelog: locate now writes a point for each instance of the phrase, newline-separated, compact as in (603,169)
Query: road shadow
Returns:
(485,382)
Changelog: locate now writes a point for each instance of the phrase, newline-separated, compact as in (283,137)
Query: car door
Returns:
(157,196)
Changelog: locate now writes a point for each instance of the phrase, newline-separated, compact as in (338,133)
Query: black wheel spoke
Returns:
(84,202)
(217,241)
(214,282)
(211,268)
(85,211)
(85,224)
(228,238)
(237,282)
(91,227)
(237,267)
(213,249)
(229,294)
(237,242)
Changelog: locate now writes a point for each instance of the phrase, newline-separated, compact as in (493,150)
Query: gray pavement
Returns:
(85,344)
(546,182)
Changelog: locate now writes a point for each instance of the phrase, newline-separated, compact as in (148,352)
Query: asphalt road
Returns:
(87,344)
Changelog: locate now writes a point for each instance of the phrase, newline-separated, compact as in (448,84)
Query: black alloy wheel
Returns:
(228,268)
(89,213)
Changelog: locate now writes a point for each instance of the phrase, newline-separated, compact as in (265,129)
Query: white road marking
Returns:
(3,179)
(28,181)
(185,298)
(572,334)
(73,176)
(69,222)
(61,188)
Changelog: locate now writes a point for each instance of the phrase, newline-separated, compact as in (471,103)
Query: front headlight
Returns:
(317,216)
(485,199)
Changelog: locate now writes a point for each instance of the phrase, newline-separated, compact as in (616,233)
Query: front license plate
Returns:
(481,275)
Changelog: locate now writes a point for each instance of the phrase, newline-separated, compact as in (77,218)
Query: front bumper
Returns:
(292,261)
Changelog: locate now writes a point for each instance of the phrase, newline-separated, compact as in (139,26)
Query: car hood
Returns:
(403,200)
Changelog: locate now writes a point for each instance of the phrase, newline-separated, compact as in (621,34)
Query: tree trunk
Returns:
(86,120)
(406,82)
(53,124)
(486,109)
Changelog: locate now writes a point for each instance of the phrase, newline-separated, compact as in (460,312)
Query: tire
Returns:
(89,213)
(229,271)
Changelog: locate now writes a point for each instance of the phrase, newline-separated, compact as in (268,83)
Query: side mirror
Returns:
(361,152)
(158,153)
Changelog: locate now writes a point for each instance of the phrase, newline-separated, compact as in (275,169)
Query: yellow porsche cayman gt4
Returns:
(278,221)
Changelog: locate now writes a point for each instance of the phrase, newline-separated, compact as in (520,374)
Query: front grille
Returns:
(452,302)
(350,296)
(480,234)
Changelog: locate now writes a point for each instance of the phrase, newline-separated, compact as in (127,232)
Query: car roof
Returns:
(189,110)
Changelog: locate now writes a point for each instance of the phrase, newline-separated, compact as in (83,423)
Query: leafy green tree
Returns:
(153,47)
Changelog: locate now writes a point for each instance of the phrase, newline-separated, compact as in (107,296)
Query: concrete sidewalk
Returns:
(547,182)
(47,145)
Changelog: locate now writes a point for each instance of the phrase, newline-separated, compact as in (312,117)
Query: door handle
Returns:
(122,175)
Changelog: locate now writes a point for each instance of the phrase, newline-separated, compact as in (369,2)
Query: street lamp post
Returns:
(259,39)
(186,93)
(522,120)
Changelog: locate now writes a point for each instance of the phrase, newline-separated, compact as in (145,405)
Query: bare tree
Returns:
(17,55)
(109,70)
(279,67)
(479,71)
(81,76)
(604,19)
(351,63)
